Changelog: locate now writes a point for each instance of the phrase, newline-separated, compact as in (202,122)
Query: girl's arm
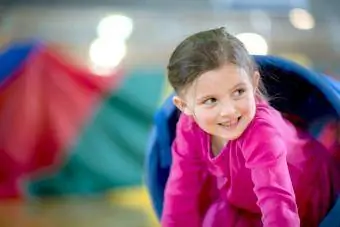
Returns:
(185,180)
(265,155)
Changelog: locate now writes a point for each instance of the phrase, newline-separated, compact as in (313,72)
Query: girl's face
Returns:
(221,101)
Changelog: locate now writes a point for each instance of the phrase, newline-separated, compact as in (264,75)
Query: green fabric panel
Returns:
(110,150)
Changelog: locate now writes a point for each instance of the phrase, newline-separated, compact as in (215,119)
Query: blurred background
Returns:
(93,173)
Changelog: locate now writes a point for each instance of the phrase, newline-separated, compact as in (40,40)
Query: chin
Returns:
(233,136)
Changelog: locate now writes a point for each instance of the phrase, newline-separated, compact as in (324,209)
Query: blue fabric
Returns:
(159,152)
(13,57)
(326,85)
(334,83)
(333,217)
(296,90)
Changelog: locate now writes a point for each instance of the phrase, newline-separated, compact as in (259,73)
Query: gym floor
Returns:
(127,209)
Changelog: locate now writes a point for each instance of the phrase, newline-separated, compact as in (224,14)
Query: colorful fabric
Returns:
(65,130)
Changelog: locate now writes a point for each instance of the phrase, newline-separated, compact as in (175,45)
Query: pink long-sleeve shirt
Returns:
(271,169)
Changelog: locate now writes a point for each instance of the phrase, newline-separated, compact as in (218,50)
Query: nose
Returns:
(228,109)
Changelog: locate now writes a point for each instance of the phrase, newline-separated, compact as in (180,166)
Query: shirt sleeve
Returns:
(265,155)
(185,181)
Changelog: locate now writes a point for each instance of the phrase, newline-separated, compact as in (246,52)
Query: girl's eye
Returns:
(239,92)
(210,101)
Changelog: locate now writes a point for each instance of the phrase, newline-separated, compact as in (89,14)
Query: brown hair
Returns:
(205,51)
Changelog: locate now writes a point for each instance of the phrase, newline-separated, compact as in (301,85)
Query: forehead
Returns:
(219,80)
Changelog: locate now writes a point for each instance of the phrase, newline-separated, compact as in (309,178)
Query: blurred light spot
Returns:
(106,54)
(254,43)
(115,27)
(301,19)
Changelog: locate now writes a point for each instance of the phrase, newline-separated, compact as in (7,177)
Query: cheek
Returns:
(205,116)
(246,107)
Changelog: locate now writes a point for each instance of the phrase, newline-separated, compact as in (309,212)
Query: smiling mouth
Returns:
(230,124)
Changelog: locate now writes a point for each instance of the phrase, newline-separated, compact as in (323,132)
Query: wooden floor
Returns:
(72,212)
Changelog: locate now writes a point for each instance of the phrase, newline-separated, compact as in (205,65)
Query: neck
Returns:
(217,144)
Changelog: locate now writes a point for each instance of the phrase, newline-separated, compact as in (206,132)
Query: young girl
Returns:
(236,161)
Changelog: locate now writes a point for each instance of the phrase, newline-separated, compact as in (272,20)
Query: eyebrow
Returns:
(212,95)
(238,85)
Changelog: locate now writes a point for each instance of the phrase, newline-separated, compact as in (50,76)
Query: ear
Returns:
(256,79)
(181,105)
